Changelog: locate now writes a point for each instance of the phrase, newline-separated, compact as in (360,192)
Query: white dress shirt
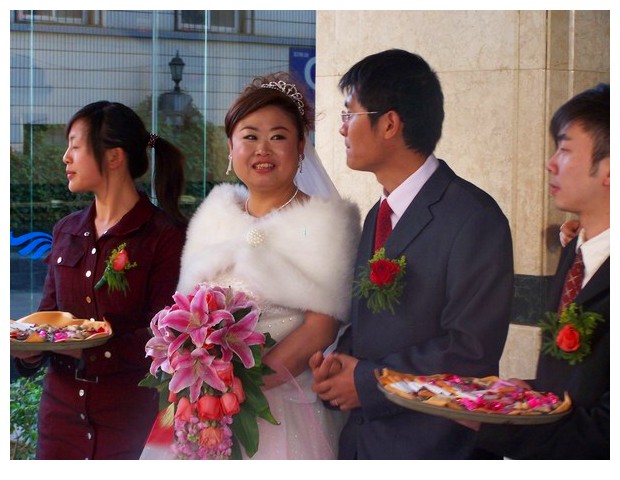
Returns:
(403,195)
(595,251)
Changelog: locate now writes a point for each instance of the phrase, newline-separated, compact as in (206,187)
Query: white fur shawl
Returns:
(301,257)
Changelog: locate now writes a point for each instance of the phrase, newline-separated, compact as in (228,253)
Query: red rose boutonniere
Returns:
(569,336)
(381,282)
(116,266)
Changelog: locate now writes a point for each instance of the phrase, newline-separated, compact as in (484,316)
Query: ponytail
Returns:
(169,178)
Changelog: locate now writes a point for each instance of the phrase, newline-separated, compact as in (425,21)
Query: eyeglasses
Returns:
(346,116)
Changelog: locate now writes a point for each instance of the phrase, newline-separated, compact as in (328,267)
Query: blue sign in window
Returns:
(302,65)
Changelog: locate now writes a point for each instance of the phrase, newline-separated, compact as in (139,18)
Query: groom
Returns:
(454,312)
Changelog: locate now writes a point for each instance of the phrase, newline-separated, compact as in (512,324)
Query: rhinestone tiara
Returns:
(290,91)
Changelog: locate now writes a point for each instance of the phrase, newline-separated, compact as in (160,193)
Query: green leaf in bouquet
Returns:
(245,430)
(149,381)
(269,341)
(256,401)
(160,383)
(239,314)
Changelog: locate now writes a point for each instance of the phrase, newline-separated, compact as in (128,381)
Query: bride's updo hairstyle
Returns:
(278,90)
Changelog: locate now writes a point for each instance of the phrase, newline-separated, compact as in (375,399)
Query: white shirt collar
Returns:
(403,195)
(594,251)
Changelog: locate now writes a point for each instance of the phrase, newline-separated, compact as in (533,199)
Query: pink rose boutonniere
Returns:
(381,283)
(116,266)
(569,336)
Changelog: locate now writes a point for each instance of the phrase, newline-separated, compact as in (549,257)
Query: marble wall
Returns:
(503,74)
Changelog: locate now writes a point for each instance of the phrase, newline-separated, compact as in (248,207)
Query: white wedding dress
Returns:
(292,260)
(307,430)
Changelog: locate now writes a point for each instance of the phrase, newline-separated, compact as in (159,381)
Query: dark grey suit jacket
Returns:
(452,318)
(584,433)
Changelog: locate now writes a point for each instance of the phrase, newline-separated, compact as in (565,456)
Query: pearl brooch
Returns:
(255,237)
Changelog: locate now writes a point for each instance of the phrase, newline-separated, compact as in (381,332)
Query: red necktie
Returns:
(572,283)
(384,224)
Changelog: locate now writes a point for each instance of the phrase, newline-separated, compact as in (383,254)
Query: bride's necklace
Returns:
(247,200)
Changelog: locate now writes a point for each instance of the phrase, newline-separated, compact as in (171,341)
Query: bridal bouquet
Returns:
(207,366)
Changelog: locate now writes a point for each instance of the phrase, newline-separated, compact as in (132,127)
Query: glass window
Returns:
(223,21)
(56,69)
(75,17)
(216,20)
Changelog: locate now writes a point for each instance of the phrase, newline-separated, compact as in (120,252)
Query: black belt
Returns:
(75,366)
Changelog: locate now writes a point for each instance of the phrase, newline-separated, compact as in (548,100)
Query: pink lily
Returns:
(193,316)
(239,301)
(157,346)
(237,337)
(192,369)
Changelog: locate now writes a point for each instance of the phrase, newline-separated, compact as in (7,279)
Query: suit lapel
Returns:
(364,254)
(597,284)
(368,233)
(418,215)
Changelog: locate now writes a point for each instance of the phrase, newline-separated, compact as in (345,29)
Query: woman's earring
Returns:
(229,169)
(301,162)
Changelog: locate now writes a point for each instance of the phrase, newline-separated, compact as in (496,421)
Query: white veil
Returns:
(313,179)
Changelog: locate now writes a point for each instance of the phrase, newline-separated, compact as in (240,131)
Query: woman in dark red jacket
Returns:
(92,406)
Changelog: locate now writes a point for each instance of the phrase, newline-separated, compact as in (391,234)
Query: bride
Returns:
(287,239)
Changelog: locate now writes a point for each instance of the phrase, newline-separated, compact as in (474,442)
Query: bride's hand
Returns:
(323,367)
